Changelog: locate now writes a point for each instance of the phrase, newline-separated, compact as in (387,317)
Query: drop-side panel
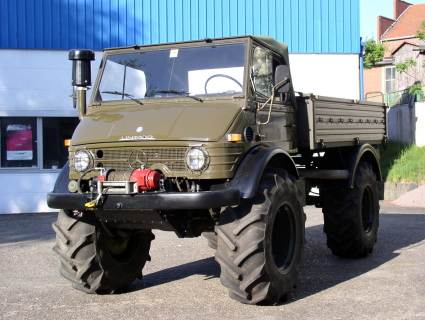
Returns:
(331,122)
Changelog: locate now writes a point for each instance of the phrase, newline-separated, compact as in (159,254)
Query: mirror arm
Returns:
(280,83)
(271,99)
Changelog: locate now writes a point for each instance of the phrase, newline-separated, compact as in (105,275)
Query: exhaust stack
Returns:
(81,77)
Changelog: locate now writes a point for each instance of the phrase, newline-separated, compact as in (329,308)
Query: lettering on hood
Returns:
(144,137)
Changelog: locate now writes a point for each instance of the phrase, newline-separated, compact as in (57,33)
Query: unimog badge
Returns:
(126,138)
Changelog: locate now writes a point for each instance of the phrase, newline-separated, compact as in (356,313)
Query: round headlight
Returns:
(81,160)
(196,159)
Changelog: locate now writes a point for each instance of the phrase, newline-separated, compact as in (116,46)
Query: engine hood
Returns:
(197,122)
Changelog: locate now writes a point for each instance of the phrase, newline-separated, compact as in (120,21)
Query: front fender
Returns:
(61,184)
(248,174)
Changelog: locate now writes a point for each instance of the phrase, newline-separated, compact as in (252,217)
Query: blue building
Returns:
(35,36)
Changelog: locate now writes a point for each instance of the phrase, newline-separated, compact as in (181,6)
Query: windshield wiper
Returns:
(125,95)
(180,93)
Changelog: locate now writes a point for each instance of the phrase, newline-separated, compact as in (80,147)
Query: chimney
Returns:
(399,7)
(383,25)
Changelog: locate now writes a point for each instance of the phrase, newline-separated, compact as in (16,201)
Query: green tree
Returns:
(421,31)
(408,66)
(373,53)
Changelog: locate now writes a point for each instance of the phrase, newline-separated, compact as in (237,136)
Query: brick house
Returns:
(399,34)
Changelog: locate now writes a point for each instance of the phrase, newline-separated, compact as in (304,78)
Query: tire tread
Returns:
(342,215)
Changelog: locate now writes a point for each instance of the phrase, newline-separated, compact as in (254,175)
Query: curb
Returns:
(392,191)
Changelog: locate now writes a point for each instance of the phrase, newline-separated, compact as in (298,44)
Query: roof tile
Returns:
(408,23)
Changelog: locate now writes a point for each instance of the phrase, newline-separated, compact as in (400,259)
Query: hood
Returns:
(162,122)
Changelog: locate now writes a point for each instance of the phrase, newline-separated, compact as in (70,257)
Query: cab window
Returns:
(262,71)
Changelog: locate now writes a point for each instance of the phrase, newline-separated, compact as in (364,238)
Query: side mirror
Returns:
(282,73)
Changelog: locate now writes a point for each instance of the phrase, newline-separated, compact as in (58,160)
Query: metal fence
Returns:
(395,98)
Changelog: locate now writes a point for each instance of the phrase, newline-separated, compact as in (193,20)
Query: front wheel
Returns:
(261,242)
(351,216)
(96,258)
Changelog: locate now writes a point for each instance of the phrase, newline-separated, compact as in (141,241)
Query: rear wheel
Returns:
(97,259)
(351,216)
(261,242)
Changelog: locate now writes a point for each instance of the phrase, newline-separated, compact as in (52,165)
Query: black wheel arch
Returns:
(364,153)
(249,172)
(61,184)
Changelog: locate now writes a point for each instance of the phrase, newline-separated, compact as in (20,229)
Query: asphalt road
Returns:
(182,281)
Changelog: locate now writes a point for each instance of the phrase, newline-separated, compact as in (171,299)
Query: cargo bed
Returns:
(325,122)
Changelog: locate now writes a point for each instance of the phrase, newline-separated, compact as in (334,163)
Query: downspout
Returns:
(361,69)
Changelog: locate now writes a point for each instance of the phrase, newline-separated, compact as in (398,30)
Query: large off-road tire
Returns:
(351,216)
(261,242)
(94,260)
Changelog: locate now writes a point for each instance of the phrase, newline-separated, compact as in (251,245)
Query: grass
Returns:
(403,163)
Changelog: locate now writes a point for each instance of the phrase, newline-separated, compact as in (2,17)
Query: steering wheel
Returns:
(222,76)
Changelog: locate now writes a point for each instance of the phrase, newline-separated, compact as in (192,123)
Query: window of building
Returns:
(19,142)
(55,132)
(390,79)
(30,142)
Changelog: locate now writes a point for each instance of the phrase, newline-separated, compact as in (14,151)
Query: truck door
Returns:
(276,122)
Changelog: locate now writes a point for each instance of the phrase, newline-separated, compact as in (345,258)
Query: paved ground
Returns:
(182,280)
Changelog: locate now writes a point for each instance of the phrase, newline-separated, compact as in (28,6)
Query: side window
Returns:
(262,71)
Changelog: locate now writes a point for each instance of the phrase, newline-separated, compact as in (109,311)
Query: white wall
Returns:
(420,124)
(37,83)
(25,191)
(34,83)
(333,75)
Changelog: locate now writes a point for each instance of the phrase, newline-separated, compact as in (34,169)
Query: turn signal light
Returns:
(67,143)
(234,137)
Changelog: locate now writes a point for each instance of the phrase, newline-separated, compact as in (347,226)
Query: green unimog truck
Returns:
(209,138)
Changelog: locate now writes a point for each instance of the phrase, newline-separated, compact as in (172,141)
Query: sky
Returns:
(370,9)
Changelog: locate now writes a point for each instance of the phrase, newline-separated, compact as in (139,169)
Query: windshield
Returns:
(215,69)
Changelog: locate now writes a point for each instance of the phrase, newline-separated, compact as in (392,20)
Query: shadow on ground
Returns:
(322,270)
(207,267)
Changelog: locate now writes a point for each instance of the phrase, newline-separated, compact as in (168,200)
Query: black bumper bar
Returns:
(147,201)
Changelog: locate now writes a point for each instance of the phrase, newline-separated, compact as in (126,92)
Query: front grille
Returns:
(172,158)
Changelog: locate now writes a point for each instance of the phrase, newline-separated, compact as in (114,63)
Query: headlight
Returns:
(82,160)
(196,159)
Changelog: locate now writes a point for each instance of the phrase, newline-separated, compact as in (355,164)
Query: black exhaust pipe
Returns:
(81,77)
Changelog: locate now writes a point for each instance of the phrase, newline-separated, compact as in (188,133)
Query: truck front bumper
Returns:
(147,201)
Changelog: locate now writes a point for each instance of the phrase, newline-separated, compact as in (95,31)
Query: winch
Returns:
(128,182)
